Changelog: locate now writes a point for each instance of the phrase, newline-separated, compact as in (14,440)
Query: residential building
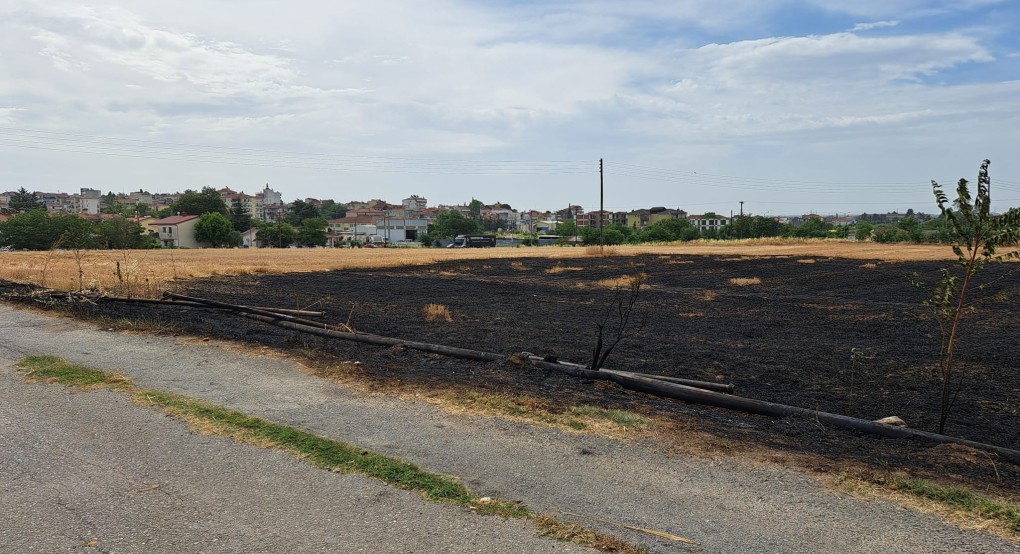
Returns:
(177,231)
(414,203)
(708,223)
(600,218)
(88,202)
(249,238)
(268,205)
(640,219)
(352,228)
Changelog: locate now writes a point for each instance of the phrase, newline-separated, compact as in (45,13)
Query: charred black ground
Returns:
(790,339)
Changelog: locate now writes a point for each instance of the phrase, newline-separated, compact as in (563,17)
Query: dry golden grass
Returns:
(561,269)
(806,261)
(601,251)
(437,312)
(708,295)
(745,281)
(622,282)
(148,272)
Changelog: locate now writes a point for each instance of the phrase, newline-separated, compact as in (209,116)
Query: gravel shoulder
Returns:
(724,506)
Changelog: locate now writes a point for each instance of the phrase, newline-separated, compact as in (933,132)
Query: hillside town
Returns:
(378,222)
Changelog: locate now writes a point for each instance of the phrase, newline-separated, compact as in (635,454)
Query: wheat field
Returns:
(148,272)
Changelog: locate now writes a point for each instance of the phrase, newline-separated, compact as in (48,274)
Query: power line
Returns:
(132,148)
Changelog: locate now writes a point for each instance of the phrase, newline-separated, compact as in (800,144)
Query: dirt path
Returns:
(724,506)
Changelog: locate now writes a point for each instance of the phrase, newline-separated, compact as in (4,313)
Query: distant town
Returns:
(412,221)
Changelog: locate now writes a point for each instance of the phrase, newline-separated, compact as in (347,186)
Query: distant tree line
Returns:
(32,228)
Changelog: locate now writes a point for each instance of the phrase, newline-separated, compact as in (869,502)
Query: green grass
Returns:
(320,451)
(619,417)
(963,499)
(54,370)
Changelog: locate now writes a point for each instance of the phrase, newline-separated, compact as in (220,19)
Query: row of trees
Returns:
(907,229)
(35,230)
(218,225)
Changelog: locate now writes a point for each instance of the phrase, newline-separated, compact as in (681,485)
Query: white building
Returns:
(414,204)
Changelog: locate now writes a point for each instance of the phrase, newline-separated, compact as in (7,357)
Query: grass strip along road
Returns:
(325,453)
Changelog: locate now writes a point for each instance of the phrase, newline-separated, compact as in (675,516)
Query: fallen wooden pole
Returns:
(711,398)
(249,309)
(285,311)
(378,340)
(602,373)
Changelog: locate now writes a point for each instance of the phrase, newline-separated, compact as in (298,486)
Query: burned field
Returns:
(837,335)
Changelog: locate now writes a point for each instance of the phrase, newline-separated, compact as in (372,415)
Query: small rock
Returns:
(892,420)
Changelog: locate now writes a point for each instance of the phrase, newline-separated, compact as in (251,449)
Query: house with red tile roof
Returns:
(177,231)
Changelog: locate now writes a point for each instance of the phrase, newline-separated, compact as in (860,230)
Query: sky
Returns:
(778,107)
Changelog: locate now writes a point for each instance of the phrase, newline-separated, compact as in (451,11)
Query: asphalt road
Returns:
(81,467)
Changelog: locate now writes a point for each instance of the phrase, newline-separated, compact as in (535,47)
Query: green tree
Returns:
(813,228)
(277,235)
(331,210)
(589,235)
(978,236)
(760,227)
(668,230)
(213,228)
(565,229)
(300,211)
(29,230)
(475,209)
(120,233)
(24,201)
(35,230)
(109,204)
(863,231)
(911,228)
(888,233)
(137,209)
(240,217)
(198,203)
(312,232)
(450,223)
(73,232)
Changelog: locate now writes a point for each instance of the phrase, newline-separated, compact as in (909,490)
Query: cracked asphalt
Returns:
(92,472)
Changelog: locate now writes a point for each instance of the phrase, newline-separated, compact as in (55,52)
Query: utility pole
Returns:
(741,228)
(602,208)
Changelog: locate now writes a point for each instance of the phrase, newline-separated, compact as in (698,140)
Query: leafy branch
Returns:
(978,235)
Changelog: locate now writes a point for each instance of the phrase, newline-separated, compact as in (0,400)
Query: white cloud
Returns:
(874,25)
(544,80)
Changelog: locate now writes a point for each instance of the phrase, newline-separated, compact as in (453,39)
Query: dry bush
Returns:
(708,295)
(807,261)
(518,266)
(868,266)
(691,314)
(437,312)
(745,281)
